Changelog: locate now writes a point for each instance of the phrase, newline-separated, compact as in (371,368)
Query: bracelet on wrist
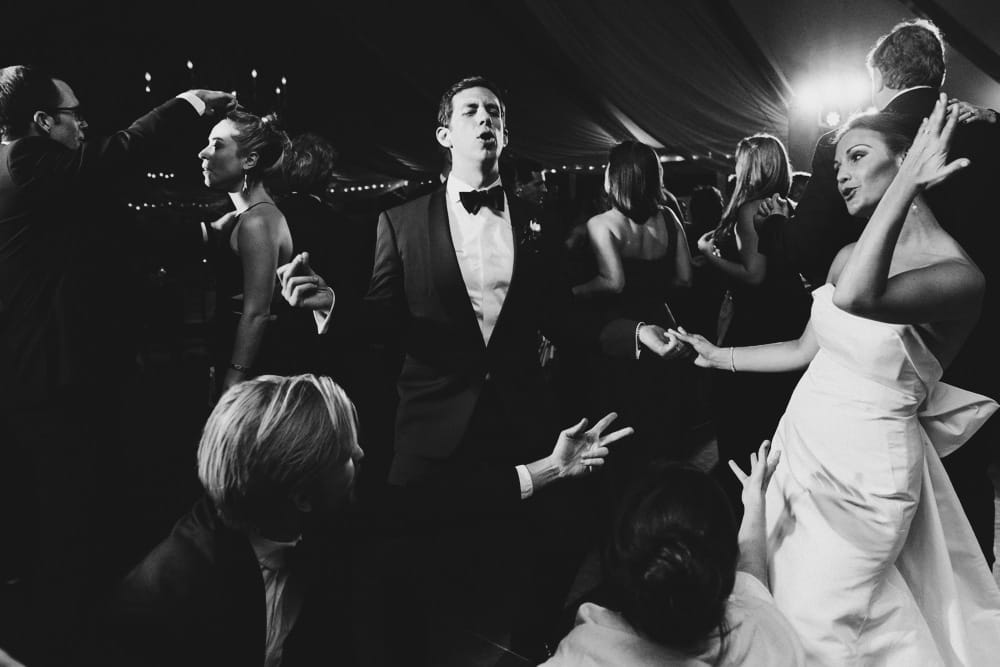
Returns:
(239,367)
(732,359)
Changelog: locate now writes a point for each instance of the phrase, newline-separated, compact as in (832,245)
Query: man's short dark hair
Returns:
(23,91)
(309,163)
(445,107)
(912,54)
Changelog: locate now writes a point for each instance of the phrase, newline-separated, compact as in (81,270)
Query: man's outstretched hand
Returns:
(302,287)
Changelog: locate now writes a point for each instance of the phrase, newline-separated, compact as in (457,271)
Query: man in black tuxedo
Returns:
(463,281)
(907,68)
(61,354)
(256,574)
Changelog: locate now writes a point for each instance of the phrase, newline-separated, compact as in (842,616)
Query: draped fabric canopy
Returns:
(690,77)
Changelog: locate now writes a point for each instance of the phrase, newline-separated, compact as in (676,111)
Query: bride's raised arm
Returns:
(947,290)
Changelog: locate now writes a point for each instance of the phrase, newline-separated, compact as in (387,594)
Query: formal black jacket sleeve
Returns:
(384,307)
(100,162)
(819,227)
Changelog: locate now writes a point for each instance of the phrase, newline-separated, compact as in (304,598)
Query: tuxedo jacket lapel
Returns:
(447,275)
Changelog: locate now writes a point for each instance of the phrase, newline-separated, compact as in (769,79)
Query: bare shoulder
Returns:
(261,223)
(838,263)
(605,223)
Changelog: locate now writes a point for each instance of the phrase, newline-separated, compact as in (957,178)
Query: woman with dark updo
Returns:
(244,149)
(684,587)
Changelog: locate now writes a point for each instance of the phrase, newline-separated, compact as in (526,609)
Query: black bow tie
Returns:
(476,199)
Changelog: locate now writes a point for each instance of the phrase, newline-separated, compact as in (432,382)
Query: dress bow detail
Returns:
(951,416)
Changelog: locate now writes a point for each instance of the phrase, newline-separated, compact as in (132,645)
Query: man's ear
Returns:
(43,121)
(443,135)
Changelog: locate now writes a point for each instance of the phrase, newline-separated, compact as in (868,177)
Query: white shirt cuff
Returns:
(323,319)
(195,101)
(638,346)
(524,478)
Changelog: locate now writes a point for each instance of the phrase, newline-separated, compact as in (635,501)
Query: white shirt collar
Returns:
(903,92)
(267,550)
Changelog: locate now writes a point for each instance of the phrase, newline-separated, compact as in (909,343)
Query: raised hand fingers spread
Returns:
(740,475)
(615,436)
(599,427)
(951,120)
(595,454)
(575,430)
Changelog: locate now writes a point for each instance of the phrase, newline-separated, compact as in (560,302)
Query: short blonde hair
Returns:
(270,438)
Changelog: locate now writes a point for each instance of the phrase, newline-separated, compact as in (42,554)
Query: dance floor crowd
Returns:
(444,423)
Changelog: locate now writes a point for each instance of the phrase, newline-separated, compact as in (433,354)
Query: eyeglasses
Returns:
(76,112)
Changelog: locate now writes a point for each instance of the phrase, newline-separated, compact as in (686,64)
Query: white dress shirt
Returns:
(484,246)
(284,598)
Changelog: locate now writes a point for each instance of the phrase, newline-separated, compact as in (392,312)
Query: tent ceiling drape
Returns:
(690,77)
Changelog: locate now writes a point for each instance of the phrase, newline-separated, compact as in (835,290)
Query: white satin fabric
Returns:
(871,557)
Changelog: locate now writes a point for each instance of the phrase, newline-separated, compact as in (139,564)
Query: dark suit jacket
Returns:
(965,205)
(58,291)
(198,599)
(417,292)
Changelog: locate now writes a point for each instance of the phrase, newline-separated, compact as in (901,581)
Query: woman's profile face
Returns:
(865,167)
(221,167)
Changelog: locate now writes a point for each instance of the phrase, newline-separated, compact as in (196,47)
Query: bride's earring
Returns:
(246,188)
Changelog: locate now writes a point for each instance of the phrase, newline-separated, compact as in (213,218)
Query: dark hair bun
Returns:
(680,589)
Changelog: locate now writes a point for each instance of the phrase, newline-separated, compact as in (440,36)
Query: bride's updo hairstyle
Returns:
(672,558)
(895,129)
(263,136)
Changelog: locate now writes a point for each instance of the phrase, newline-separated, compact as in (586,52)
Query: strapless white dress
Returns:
(871,557)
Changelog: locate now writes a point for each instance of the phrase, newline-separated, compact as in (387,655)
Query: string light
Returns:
(190,65)
(253,74)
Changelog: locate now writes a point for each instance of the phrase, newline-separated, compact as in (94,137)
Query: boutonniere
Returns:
(529,235)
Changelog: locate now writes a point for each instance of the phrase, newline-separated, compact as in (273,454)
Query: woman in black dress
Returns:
(253,241)
(642,255)
(768,300)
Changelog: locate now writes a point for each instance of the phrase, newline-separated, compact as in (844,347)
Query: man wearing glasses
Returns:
(62,353)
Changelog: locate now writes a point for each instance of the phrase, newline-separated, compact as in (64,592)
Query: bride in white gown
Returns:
(870,555)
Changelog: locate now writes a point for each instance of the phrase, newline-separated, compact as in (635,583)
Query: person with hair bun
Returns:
(252,575)
(684,586)
(243,151)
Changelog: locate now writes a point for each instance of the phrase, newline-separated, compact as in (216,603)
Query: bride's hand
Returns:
(927,159)
(708,354)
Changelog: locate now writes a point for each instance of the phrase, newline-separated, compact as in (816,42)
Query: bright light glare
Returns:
(844,90)
(832,119)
